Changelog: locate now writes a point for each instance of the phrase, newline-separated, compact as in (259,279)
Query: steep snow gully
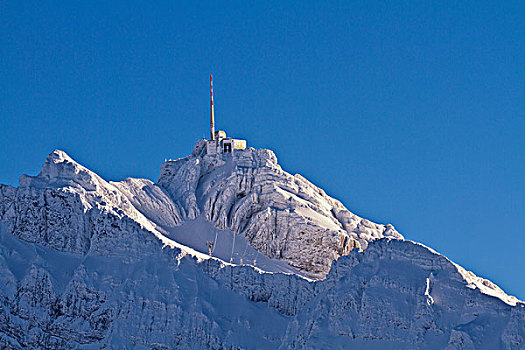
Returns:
(225,251)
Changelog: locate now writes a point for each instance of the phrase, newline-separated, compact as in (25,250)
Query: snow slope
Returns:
(87,263)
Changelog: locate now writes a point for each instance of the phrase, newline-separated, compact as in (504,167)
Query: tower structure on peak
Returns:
(212,116)
(218,142)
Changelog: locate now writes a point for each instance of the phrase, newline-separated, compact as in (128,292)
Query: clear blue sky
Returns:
(410,113)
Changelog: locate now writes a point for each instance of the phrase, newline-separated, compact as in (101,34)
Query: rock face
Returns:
(283,216)
(86,263)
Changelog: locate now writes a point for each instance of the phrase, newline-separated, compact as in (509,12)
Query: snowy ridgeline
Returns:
(86,263)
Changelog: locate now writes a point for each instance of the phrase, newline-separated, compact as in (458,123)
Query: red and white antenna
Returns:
(212,116)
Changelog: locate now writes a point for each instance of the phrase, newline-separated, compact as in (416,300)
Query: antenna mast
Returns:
(212,117)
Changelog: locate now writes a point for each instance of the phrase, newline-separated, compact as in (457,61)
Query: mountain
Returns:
(225,251)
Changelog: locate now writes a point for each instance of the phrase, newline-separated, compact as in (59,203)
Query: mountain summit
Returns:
(282,216)
(225,251)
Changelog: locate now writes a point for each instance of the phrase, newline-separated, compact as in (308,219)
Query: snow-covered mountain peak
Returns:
(58,156)
(283,216)
(60,165)
(213,255)
(60,170)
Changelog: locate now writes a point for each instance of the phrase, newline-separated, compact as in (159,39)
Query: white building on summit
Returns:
(218,142)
